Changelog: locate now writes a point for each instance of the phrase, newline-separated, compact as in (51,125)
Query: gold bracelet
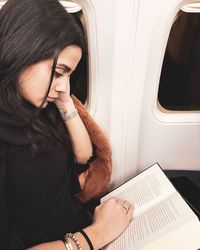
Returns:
(66,116)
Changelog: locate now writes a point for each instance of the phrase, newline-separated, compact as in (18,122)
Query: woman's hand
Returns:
(111,218)
(63,91)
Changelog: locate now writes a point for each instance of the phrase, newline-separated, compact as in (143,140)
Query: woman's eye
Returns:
(56,74)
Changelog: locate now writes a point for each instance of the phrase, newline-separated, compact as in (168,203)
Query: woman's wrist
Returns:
(79,242)
(67,110)
(87,239)
(96,236)
(93,238)
(68,116)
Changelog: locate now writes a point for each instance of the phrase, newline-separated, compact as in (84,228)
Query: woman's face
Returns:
(34,81)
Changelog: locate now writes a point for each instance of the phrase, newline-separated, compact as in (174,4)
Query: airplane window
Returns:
(180,76)
(79,79)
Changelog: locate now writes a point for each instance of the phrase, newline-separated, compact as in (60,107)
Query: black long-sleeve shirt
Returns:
(37,193)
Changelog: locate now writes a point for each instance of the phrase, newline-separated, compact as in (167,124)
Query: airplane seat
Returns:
(187,184)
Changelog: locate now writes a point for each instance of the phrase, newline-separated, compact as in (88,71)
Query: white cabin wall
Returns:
(127,43)
(171,138)
(100,37)
(126,18)
(132,33)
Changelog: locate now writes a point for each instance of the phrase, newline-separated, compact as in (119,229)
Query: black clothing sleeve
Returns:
(9,238)
(77,169)
(80,168)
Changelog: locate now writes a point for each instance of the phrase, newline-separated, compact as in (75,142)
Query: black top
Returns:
(37,193)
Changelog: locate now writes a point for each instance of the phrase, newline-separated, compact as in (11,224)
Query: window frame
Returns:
(159,112)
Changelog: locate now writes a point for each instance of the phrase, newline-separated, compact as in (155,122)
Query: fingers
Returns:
(120,202)
(127,207)
(60,88)
(130,213)
(123,204)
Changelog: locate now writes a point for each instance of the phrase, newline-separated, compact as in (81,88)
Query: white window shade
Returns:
(191,7)
(2,3)
(71,7)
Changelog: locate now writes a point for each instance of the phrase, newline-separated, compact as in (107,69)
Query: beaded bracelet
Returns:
(73,237)
(67,244)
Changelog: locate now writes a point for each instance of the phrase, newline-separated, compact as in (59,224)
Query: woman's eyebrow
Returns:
(64,67)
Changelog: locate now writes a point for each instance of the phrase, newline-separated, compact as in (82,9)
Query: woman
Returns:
(42,137)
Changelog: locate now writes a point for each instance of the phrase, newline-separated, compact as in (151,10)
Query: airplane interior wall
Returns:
(127,42)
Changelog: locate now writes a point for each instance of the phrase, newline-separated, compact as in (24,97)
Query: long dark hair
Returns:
(32,31)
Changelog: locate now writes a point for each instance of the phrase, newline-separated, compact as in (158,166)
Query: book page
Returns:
(159,210)
(186,237)
(145,189)
(162,219)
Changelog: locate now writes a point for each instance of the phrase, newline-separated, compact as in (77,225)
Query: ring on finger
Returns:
(126,208)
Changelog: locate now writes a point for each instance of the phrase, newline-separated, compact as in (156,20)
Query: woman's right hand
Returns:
(111,218)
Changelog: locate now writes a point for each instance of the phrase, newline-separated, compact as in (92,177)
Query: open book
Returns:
(162,219)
